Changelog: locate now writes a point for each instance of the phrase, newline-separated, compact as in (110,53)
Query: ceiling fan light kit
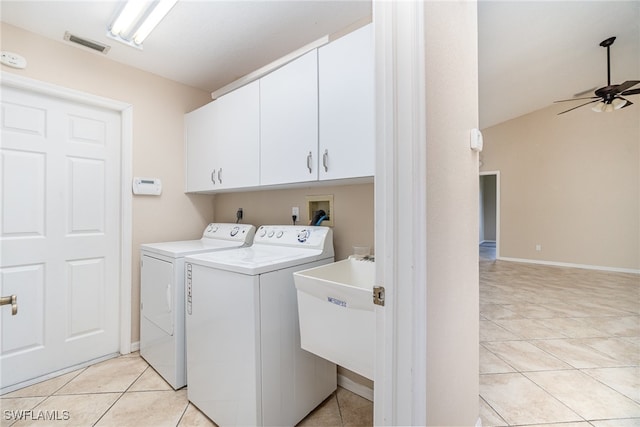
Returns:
(616,104)
(608,98)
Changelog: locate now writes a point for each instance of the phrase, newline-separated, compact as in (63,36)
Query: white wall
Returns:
(452,214)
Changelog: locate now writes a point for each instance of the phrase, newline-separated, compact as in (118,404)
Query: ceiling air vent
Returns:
(102,48)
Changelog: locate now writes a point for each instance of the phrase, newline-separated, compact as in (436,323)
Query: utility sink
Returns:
(336,312)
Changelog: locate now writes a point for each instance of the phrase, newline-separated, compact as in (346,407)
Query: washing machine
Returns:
(162,301)
(245,363)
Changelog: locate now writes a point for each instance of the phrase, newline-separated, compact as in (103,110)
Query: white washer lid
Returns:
(216,236)
(259,259)
(183,248)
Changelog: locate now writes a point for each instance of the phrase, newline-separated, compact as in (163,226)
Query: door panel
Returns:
(60,233)
(27,330)
(85,291)
(86,195)
(22,205)
(157,291)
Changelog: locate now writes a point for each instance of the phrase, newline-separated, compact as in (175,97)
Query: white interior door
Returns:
(60,231)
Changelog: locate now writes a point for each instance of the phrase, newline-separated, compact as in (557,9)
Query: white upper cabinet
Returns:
(199,148)
(310,120)
(237,138)
(289,123)
(223,142)
(346,106)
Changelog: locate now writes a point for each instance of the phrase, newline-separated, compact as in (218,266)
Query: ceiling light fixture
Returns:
(137,19)
(615,104)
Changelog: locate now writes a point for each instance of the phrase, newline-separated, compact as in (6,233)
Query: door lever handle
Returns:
(13,300)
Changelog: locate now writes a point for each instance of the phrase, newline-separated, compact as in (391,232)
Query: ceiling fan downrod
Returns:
(607,43)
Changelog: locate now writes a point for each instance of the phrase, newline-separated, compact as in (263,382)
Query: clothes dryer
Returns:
(162,302)
(245,363)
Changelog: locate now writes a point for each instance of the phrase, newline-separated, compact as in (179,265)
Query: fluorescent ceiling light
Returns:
(137,19)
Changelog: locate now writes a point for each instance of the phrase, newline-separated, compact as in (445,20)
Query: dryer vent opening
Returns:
(91,44)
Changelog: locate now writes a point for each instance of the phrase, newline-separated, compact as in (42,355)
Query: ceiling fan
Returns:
(609,97)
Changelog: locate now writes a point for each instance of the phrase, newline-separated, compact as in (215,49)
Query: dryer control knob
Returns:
(271,233)
(280,233)
(235,230)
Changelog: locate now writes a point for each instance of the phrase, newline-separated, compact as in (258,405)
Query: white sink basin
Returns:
(336,312)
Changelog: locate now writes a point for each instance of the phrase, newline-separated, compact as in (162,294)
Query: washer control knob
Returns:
(234,231)
(209,228)
(263,232)
(303,235)
(271,233)
(280,233)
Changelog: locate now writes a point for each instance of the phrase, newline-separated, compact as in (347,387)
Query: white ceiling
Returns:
(530,52)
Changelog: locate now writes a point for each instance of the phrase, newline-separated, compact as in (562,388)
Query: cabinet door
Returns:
(346,98)
(199,148)
(237,138)
(289,123)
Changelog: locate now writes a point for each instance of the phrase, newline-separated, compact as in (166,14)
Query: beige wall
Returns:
(352,211)
(452,214)
(571,184)
(158,108)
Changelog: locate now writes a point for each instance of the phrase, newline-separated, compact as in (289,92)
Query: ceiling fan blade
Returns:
(627,104)
(584,92)
(581,105)
(626,85)
(631,92)
(575,99)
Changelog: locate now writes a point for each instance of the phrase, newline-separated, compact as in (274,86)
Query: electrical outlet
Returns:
(295,211)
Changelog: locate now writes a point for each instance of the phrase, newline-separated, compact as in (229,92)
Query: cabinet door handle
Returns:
(325,160)
(213,176)
(309,158)
(219,175)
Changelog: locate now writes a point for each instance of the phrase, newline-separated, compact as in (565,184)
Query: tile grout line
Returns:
(119,397)
(554,396)
(494,410)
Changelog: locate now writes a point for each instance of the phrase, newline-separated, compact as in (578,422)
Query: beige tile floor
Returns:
(559,347)
(126,391)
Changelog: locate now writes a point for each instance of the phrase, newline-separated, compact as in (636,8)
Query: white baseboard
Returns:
(135,346)
(354,387)
(571,265)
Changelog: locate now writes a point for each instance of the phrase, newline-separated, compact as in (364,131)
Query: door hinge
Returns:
(378,295)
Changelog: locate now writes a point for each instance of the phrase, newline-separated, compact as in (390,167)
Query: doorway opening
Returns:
(489,215)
